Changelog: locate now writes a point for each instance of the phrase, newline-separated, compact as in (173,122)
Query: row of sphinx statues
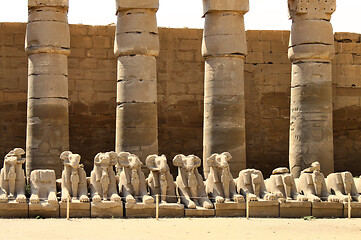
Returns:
(118,176)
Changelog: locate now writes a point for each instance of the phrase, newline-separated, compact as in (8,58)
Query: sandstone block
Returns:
(136,91)
(295,209)
(136,44)
(47,86)
(77,209)
(327,209)
(311,73)
(347,37)
(47,14)
(224,23)
(224,45)
(308,32)
(231,209)
(262,208)
(128,68)
(106,209)
(225,110)
(221,5)
(132,115)
(42,63)
(136,136)
(306,10)
(171,210)
(311,52)
(44,209)
(136,20)
(355,209)
(13,209)
(53,35)
(48,3)
(130,4)
(139,210)
(199,212)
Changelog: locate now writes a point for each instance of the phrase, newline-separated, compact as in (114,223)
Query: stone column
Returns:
(48,46)
(136,47)
(311,51)
(224,49)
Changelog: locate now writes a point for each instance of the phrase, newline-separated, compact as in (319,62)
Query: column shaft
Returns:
(136,47)
(48,46)
(224,49)
(311,51)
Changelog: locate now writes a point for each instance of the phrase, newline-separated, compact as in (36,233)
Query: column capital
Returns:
(222,5)
(137,4)
(311,9)
(48,3)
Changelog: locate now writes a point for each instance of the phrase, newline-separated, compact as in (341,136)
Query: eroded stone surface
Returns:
(342,184)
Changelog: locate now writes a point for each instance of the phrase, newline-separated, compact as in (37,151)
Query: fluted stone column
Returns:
(48,46)
(136,47)
(224,49)
(311,51)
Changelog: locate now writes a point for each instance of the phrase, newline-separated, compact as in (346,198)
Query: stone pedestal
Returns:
(263,208)
(48,47)
(139,210)
(171,210)
(13,209)
(106,209)
(355,210)
(231,209)
(295,209)
(327,209)
(136,46)
(311,51)
(199,212)
(77,209)
(44,210)
(224,48)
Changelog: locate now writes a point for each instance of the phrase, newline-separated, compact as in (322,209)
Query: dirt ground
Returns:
(185,228)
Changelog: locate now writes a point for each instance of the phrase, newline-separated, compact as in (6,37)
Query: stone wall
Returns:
(92,86)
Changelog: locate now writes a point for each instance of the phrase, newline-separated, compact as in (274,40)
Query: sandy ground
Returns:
(185,228)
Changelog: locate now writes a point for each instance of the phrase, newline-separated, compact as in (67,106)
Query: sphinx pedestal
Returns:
(262,208)
(327,209)
(106,209)
(171,210)
(199,212)
(13,209)
(355,209)
(139,210)
(77,209)
(295,209)
(230,209)
(44,209)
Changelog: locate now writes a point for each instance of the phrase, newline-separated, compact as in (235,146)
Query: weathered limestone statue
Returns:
(342,184)
(282,184)
(312,184)
(48,46)
(224,49)
(12,177)
(136,46)
(251,182)
(160,181)
(43,200)
(73,179)
(132,184)
(103,187)
(190,182)
(219,184)
(102,178)
(311,51)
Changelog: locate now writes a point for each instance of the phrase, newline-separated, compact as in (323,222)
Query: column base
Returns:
(199,212)
(262,208)
(13,209)
(44,209)
(327,209)
(230,209)
(77,209)
(295,209)
(355,210)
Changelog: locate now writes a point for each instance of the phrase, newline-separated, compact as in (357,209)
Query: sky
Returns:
(263,14)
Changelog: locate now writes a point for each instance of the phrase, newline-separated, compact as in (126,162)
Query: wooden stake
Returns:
(247,206)
(349,206)
(68,208)
(157,206)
